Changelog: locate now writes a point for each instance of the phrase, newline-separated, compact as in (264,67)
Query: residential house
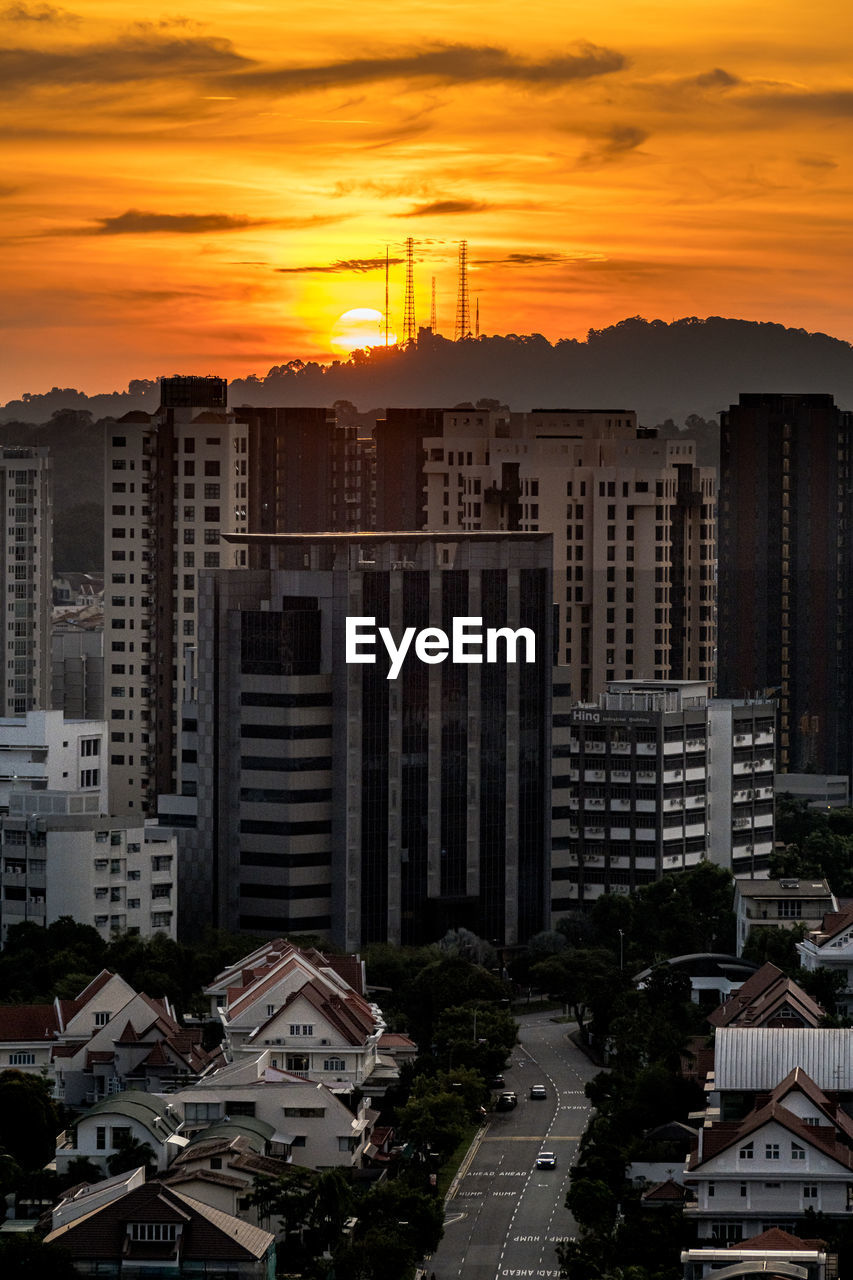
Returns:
(780,904)
(156,1229)
(112,1122)
(773,1252)
(791,1153)
(309,1009)
(830,946)
(86,1196)
(219,1169)
(768,999)
(750,1061)
(310,1124)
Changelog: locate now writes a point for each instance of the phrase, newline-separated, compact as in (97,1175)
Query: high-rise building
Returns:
(786,570)
(26,567)
(175,481)
(335,800)
(633,524)
(654,776)
(400,457)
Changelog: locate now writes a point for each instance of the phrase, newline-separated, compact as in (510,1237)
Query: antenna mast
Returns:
(463,311)
(409,329)
(477,323)
(386,295)
(433,323)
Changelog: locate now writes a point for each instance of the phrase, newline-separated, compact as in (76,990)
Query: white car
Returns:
(546,1160)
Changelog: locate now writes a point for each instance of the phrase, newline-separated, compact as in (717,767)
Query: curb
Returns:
(466,1163)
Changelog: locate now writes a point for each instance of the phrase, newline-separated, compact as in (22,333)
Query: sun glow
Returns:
(361,327)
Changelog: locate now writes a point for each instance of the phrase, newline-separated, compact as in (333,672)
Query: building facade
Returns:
(633,521)
(61,857)
(341,802)
(26,493)
(42,751)
(655,776)
(786,570)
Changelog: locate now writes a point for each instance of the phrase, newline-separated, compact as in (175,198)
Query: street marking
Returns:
(551,1137)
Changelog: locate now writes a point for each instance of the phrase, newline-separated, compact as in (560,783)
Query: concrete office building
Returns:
(786,571)
(633,524)
(26,577)
(336,801)
(654,776)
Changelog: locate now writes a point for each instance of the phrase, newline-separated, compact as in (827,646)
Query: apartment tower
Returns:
(633,523)
(786,570)
(27,577)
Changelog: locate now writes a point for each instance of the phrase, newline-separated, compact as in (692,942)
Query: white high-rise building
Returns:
(27,576)
(175,481)
(633,523)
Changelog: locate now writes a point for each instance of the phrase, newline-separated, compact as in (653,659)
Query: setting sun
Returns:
(359,328)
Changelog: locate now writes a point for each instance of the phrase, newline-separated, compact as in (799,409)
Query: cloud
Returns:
(716,79)
(445,206)
(817,162)
(613,142)
(138,222)
(36,13)
(441,63)
(540,259)
(138,58)
(359,265)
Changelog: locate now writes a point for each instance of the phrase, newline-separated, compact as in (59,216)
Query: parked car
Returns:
(538,1091)
(506,1102)
(546,1160)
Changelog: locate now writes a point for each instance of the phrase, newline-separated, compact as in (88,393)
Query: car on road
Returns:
(538,1092)
(497,1082)
(546,1160)
(506,1102)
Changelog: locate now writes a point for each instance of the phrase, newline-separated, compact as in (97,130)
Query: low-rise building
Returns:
(309,1010)
(791,1154)
(156,1229)
(132,1116)
(780,904)
(773,1253)
(830,946)
(768,999)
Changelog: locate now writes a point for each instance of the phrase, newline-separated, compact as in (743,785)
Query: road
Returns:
(506,1216)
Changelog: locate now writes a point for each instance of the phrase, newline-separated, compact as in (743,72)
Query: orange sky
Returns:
(204,188)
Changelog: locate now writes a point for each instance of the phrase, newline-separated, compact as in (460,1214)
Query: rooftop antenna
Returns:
(386,295)
(433,323)
(463,311)
(477,322)
(409,330)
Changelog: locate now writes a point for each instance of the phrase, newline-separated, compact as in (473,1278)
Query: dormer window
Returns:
(152,1230)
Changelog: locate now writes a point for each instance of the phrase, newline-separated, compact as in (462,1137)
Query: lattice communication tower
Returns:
(409,329)
(463,310)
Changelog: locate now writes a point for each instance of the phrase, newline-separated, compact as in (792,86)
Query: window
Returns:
(771,1151)
(161,919)
(301,1029)
(195,1111)
(101,1138)
(102,1018)
(153,1230)
(334,1064)
(270,1010)
(797,1152)
(810,1191)
(746,1152)
(302,1113)
(22,1059)
(211,467)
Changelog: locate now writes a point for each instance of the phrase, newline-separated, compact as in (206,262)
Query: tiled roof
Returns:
(760,999)
(667,1191)
(128,1036)
(775,1240)
(28,1022)
(208,1234)
(216,1176)
(834,922)
(395,1040)
(719,1137)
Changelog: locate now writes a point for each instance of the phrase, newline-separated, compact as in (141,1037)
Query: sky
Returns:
(208,188)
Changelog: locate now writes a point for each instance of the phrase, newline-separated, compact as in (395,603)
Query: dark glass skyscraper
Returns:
(338,801)
(785,620)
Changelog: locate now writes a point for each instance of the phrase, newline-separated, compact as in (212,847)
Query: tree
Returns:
(433,1122)
(131,1153)
(82,1169)
(477,1036)
(26,1258)
(288,1197)
(28,1120)
(333,1204)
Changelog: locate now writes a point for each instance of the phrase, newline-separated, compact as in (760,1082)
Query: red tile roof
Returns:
(28,1022)
(778,1241)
